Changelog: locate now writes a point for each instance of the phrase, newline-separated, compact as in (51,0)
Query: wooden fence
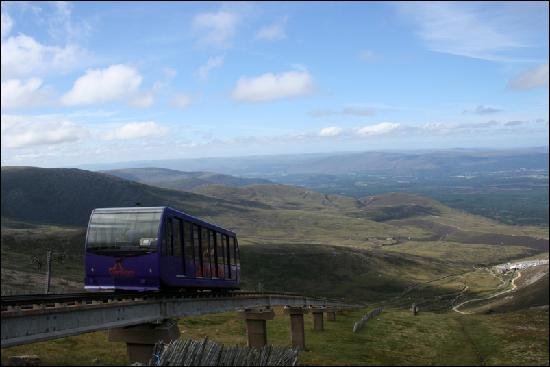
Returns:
(359,324)
(206,352)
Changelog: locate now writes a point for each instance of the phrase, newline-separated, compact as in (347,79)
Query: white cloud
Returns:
(211,63)
(439,127)
(181,101)
(482,110)
(515,123)
(146,98)
(483,127)
(16,93)
(23,55)
(219,26)
(503,31)
(272,32)
(22,132)
(271,86)
(136,130)
(61,25)
(532,78)
(7,23)
(143,100)
(117,82)
(331,131)
(378,129)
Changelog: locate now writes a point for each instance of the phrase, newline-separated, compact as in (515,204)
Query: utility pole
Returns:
(48,270)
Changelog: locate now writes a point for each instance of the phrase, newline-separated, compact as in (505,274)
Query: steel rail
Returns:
(25,301)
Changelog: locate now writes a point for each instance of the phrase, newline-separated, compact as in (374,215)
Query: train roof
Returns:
(160,209)
(133,209)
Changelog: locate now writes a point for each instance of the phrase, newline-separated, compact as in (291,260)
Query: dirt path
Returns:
(513,288)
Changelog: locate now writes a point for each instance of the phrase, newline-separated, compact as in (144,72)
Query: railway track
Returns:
(41,301)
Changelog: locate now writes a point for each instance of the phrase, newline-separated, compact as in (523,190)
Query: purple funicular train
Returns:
(158,248)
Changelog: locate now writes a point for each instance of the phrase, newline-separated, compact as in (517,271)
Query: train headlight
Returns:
(92,269)
(150,271)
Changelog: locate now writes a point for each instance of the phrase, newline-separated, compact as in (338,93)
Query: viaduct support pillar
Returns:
(297,333)
(318,318)
(140,339)
(256,325)
(331,314)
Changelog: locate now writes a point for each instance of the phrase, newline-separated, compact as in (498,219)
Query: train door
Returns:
(206,250)
(188,250)
(177,245)
(231,251)
(197,244)
(220,265)
(227,262)
(232,248)
(237,260)
(168,266)
(213,254)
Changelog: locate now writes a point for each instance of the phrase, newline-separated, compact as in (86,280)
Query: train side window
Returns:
(206,261)
(198,253)
(188,250)
(227,264)
(177,235)
(221,256)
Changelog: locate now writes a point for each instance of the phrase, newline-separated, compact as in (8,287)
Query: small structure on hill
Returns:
(504,268)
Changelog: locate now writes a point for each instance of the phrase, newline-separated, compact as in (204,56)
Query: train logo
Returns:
(118,270)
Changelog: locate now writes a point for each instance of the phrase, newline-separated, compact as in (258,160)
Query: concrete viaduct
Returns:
(143,320)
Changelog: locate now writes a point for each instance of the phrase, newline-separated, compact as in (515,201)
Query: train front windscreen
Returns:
(125,232)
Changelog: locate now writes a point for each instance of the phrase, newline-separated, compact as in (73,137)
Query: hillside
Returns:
(271,213)
(510,186)
(532,291)
(374,257)
(282,197)
(179,180)
(62,196)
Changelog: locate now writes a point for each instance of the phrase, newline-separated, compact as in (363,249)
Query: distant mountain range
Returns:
(507,185)
(178,180)
(453,161)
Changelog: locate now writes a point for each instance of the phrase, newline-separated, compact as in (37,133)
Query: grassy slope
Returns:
(395,337)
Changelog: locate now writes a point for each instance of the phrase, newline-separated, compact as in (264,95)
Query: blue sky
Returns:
(99,82)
